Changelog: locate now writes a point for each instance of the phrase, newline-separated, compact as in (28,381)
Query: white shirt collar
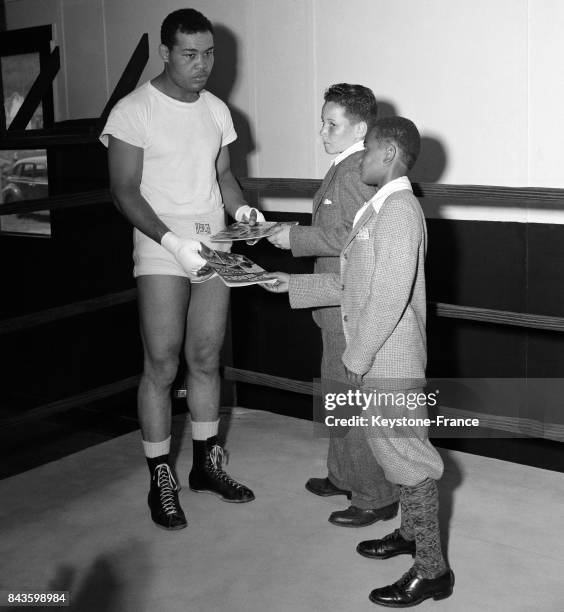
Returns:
(357,146)
(382,194)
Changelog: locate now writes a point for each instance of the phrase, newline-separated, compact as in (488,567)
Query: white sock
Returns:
(156,449)
(202,430)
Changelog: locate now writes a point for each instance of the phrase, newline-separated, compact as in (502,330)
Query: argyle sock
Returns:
(406,527)
(422,505)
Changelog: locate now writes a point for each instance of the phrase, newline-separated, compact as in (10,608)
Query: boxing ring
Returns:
(80,523)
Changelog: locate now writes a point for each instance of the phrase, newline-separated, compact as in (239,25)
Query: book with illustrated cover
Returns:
(234,270)
(244,231)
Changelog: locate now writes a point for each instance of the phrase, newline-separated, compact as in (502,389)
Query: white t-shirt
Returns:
(180,142)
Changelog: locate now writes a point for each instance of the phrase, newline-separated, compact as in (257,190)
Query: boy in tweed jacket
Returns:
(381,290)
(348,113)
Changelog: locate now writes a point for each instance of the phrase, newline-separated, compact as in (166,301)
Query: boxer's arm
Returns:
(231,192)
(126,168)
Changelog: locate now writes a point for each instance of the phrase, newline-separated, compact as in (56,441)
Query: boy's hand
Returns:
(281,238)
(353,378)
(280,286)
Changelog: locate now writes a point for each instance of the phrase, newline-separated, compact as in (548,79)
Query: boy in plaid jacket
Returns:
(381,291)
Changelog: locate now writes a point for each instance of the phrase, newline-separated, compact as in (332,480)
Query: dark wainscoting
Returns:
(88,255)
(509,266)
(501,265)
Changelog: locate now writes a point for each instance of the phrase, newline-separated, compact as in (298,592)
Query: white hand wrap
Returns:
(243,213)
(185,251)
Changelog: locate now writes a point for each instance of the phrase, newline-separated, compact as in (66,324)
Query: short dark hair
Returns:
(403,133)
(358,101)
(188,21)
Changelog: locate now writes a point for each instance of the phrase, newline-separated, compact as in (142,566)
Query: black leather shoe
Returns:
(389,546)
(411,589)
(163,500)
(358,517)
(325,488)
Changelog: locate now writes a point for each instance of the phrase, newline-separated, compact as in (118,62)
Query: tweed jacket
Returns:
(335,204)
(381,289)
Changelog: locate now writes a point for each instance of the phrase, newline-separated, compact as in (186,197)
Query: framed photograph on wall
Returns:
(23,173)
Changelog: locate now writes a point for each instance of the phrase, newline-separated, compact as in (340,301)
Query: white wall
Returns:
(482,79)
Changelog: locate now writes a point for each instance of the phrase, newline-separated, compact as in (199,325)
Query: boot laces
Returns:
(167,488)
(217,455)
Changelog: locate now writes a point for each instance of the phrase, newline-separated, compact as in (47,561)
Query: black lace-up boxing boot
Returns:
(163,499)
(208,476)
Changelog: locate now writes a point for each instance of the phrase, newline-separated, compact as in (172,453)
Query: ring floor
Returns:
(81,524)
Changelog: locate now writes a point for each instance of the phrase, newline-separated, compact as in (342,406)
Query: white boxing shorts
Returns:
(149,257)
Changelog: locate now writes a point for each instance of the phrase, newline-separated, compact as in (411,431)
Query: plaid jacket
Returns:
(381,289)
(335,204)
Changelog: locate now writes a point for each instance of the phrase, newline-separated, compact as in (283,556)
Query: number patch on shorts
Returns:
(202,228)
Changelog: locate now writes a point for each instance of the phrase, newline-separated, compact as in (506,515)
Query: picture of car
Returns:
(27,180)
